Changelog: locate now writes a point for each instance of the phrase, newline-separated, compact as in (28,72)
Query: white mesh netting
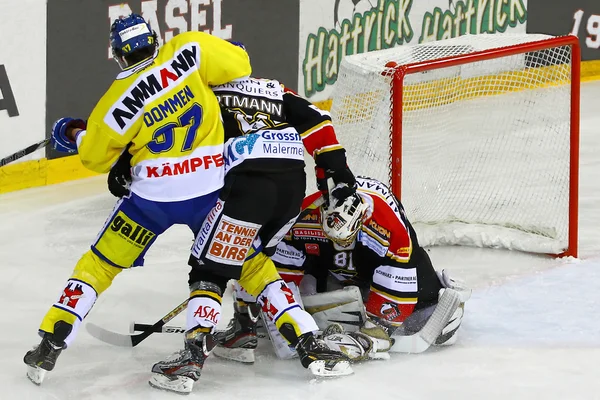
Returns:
(485,145)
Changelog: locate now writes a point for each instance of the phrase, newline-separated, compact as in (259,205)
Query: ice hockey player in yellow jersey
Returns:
(161,109)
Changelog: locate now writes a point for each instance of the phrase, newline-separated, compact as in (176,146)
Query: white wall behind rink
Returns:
(23,54)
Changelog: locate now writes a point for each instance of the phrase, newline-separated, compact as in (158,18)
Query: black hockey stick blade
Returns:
(24,152)
(164,329)
(132,340)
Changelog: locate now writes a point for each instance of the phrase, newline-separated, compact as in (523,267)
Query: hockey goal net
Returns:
(477,135)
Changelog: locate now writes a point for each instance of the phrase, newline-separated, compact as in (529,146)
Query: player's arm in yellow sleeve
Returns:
(220,61)
(98,150)
(99,146)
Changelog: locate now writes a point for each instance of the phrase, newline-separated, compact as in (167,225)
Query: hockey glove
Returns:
(343,179)
(119,177)
(59,140)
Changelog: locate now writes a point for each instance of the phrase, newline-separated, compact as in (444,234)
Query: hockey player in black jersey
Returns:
(267,129)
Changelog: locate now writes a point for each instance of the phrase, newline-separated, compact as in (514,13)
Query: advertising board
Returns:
(577,17)
(80,68)
(22,76)
(331,29)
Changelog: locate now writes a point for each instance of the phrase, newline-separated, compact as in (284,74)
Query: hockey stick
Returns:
(24,152)
(411,344)
(132,340)
(135,327)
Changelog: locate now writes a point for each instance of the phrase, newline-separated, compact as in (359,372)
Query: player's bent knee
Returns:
(257,273)
(199,274)
(95,271)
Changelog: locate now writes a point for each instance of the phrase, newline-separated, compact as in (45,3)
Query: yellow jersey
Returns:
(166,109)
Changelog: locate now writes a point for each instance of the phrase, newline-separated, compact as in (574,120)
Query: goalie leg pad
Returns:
(357,349)
(447,282)
(343,306)
(449,302)
(449,334)
(357,346)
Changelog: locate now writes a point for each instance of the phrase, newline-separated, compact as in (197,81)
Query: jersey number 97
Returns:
(163,138)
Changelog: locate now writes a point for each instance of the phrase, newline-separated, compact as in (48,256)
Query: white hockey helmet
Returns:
(342,223)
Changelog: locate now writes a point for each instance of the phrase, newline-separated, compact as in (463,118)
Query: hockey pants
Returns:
(128,233)
(254,212)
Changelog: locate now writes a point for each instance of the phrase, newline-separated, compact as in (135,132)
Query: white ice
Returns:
(531,329)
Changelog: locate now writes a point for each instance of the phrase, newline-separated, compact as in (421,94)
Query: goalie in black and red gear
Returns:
(367,241)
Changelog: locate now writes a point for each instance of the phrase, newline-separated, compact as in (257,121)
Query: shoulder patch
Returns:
(313,216)
(379,230)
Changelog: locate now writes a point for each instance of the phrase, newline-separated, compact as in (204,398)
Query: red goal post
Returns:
(483,131)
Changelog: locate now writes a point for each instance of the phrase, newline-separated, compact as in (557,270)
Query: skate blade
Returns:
(379,356)
(245,356)
(36,374)
(179,384)
(325,369)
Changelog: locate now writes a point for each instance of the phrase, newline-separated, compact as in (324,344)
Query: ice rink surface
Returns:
(531,328)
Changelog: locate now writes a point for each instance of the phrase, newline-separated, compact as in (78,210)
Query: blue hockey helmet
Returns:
(132,40)
(238,44)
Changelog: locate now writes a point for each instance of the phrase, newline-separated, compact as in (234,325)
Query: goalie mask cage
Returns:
(477,135)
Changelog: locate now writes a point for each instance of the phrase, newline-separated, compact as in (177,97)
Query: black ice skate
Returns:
(43,357)
(316,356)
(180,370)
(239,340)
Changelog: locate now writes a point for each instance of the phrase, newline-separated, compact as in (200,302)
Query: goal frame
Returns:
(396,89)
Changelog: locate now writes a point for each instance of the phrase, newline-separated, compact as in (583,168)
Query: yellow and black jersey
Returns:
(166,109)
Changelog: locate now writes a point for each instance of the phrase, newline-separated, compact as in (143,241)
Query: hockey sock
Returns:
(204,307)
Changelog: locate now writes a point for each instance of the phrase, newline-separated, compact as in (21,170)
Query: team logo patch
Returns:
(389,311)
(287,292)
(77,298)
(268,308)
(309,233)
(312,217)
(312,249)
(71,294)
(208,313)
(379,230)
(127,229)
(232,240)
(335,220)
